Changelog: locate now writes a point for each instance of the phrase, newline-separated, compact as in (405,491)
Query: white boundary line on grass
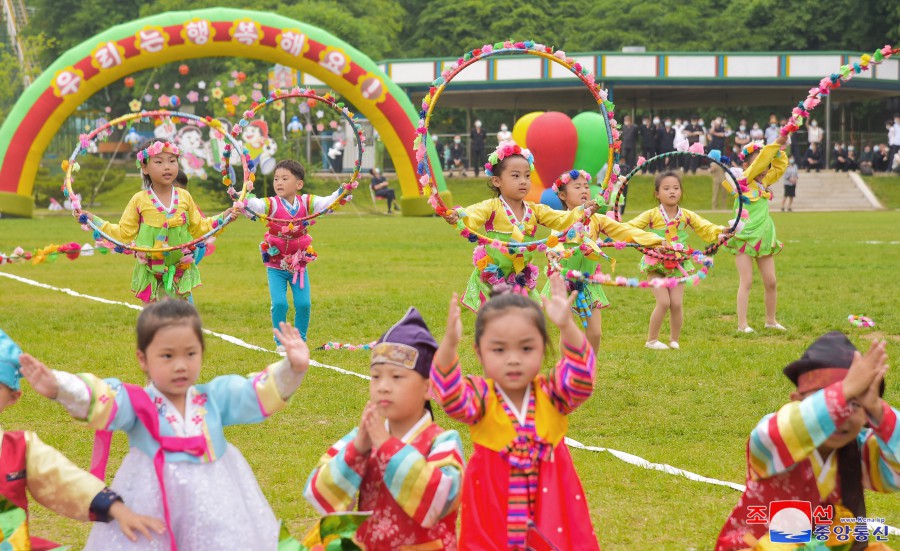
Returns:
(622,456)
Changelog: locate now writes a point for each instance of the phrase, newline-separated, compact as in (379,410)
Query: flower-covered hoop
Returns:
(310,95)
(738,186)
(426,187)
(70,166)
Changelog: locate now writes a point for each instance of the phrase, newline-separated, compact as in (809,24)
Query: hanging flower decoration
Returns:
(193,96)
(277,97)
(104,130)
(134,105)
(217,93)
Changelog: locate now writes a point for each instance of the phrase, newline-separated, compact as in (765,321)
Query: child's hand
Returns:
(231,214)
(553,255)
(454,324)
(451,217)
(77,214)
(40,376)
(559,307)
(871,399)
(130,522)
(591,207)
(375,427)
(295,347)
(362,442)
(864,370)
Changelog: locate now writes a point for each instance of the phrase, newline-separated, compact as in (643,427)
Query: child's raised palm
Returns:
(40,376)
(454,323)
(558,306)
(295,349)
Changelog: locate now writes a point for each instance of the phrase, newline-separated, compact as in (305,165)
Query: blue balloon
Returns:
(549,198)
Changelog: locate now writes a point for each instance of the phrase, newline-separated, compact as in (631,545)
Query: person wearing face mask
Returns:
(879,158)
(756,132)
(667,142)
(457,157)
(839,164)
(478,135)
(771,132)
(717,135)
(630,135)
(692,132)
(852,158)
(504,133)
(648,143)
(742,136)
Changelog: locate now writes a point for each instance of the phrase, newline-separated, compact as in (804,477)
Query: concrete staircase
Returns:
(828,191)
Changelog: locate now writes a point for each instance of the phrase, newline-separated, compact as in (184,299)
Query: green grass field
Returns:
(692,408)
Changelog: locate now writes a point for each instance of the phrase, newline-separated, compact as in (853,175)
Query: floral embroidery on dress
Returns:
(199,399)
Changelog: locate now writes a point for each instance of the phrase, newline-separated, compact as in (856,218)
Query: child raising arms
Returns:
(834,439)
(161,215)
(404,467)
(763,166)
(286,248)
(573,189)
(521,471)
(508,217)
(179,466)
(670,221)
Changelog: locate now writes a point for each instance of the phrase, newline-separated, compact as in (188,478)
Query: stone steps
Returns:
(828,191)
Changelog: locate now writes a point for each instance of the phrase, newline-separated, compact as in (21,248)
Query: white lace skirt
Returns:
(213,506)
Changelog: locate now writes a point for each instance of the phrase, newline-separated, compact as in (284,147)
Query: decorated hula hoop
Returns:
(426,187)
(309,94)
(738,187)
(70,166)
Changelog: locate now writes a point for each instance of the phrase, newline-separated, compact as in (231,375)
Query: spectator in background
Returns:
(813,157)
(839,164)
(756,132)
(380,188)
(742,136)
(717,135)
(667,142)
(772,130)
(457,157)
(478,136)
(880,158)
(852,158)
(648,142)
(692,132)
(814,132)
(790,178)
(894,137)
(865,160)
(629,141)
(504,133)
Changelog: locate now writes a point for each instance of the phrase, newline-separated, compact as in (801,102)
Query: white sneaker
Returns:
(776,326)
(655,345)
(674,345)
(280,350)
(747,329)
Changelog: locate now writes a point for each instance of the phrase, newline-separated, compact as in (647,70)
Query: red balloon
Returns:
(184,69)
(553,140)
(129,82)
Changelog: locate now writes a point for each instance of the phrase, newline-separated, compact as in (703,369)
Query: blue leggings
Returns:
(279,281)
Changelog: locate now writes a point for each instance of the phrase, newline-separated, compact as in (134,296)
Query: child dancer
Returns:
(508,217)
(161,216)
(763,166)
(405,468)
(669,220)
(521,471)
(286,248)
(180,467)
(818,448)
(573,189)
(56,483)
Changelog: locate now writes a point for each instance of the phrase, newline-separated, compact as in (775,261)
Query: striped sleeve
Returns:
(571,381)
(461,397)
(783,439)
(881,453)
(426,488)
(335,482)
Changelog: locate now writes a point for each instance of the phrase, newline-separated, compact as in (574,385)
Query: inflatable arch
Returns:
(215,32)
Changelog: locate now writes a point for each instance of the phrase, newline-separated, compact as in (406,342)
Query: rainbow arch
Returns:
(216,32)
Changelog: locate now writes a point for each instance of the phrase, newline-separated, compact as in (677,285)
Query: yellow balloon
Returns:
(520,130)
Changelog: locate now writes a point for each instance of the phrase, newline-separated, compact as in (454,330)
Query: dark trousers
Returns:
(478,159)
